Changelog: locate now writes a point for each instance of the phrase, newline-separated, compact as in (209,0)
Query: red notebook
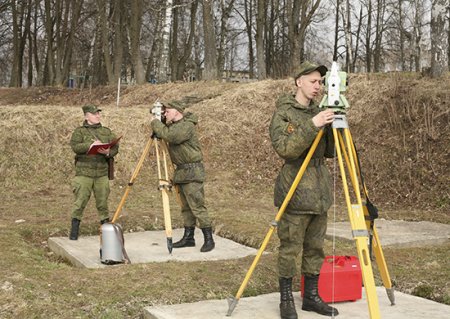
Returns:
(93,149)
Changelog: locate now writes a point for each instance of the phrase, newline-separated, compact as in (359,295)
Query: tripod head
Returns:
(335,83)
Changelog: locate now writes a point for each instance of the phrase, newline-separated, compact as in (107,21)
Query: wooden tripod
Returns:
(164,183)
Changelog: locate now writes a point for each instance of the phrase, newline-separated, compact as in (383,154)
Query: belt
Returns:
(314,162)
(188,165)
(91,159)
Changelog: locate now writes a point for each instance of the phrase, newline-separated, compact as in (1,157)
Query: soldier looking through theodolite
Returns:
(302,229)
(178,130)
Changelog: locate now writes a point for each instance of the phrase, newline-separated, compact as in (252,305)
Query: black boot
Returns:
(312,300)
(287,306)
(75,229)
(188,238)
(103,221)
(209,241)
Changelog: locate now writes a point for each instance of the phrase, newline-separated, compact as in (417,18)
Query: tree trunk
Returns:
(49,74)
(345,11)
(135,40)
(368,38)
(188,45)
(226,13)
(401,35)
(260,23)
(210,71)
(248,10)
(298,21)
(164,70)
(336,31)
(438,38)
(378,36)
(173,52)
(19,39)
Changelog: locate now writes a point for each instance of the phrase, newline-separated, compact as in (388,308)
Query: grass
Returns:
(38,284)
(36,169)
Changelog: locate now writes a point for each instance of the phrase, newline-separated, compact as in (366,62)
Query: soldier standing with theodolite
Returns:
(301,230)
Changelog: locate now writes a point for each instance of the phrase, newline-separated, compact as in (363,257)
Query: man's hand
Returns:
(323,118)
(104,151)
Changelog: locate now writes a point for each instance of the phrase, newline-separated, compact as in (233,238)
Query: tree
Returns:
(210,71)
(19,39)
(260,23)
(225,9)
(439,44)
(299,19)
(135,22)
(181,47)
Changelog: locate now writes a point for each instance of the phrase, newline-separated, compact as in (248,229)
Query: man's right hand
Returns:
(323,118)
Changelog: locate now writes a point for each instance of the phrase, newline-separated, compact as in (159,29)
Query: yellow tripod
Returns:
(164,184)
(357,212)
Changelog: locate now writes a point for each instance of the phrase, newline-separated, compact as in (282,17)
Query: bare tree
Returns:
(438,38)
(135,22)
(210,71)
(225,9)
(299,19)
(248,20)
(181,47)
(260,23)
(21,21)
(345,12)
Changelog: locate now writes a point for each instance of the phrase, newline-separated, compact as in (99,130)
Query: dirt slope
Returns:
(400,124)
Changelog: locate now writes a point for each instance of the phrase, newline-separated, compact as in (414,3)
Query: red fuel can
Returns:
(340,279)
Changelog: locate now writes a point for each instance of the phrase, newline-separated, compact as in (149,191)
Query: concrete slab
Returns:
(146,247)
(266,307)
(398,232)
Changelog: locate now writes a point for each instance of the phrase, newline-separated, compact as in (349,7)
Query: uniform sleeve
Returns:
(115,149)
(176,133)
(291,139)
(77,144)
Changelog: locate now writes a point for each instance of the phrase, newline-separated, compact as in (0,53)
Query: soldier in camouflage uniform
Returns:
(301,230)
(91,171)
(186,154)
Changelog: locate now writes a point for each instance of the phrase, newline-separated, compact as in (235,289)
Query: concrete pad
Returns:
(146,247)
(398,232)
(266,307)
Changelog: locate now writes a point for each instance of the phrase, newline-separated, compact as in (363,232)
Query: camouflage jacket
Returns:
(184,148)
(82,138)
(292,133)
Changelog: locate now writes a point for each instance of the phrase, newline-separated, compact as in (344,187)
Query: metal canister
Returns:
(112,244)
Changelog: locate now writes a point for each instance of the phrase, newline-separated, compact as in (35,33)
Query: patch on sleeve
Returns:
(290,128)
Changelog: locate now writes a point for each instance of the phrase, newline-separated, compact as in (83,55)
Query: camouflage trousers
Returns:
(83,187)
(301,244)
(193,208)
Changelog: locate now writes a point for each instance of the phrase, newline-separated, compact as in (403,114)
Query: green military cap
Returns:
(91,108)
(307,67)
(177,105)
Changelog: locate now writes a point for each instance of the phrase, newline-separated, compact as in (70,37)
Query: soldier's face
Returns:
(92,118)
(172,115)
(309,85)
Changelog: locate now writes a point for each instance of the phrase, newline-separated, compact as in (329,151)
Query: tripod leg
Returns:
(171,171)
(232,302)
(357,221)
(370,225)
(133,177)
(164,187)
